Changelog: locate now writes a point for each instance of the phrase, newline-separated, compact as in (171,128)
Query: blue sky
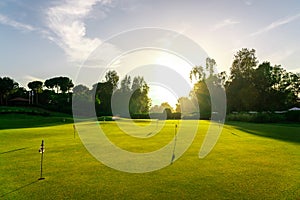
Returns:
(42,39)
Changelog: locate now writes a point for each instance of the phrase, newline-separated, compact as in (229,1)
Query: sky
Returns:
(44,39)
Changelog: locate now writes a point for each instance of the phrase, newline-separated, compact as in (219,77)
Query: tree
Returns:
(136,95)
(36,87)
(7,87)
(200,90)
(295,79)
(168,113)
(20,92)
(137,83)
(201,93)
(80,89)
(125,84)
(64,84)
(113,78)
(197,73)
(205,87)
(262,88)
(82,101)
(156,109)
(139,101)
(187,106)
(82,93)
(210,64)
(131,98)
(103,93)
(243,64)
(51,83)
(160,108)
(241,93)
(167,105)
(121,97)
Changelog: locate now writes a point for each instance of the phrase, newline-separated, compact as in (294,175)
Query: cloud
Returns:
(224,23)
(68,30)
(17,25)
(276,24)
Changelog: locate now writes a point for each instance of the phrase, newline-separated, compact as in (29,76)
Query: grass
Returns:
(29,117)
(250,161)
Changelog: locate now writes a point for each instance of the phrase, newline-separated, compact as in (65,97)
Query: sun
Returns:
(160,94)
(166,73)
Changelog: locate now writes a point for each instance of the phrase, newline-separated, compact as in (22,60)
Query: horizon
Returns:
(50,38)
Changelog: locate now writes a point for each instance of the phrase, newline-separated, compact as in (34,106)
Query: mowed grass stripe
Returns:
(241,166)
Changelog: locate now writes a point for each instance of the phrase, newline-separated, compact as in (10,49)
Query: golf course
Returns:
(249,161)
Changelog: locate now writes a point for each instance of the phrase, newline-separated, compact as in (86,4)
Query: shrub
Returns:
(105,118)
(264,117)
(293,116)
(140,116)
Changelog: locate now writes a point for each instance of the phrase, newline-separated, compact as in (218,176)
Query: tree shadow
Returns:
(25,121)
(10,151)
(19,188)
(286,132)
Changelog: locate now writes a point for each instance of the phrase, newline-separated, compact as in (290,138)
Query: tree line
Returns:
(55,93)
(250,86)
(131,97)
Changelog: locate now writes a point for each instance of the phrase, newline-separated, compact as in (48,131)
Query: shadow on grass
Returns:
(20,188)
(14,150)
(14,121)
(284,132)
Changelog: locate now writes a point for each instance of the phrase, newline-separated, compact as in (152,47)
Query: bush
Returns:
(105,118)
(176,115)
(161,116)
(265,117)
(205,115)
(24,110)
(293,116)
(140,116)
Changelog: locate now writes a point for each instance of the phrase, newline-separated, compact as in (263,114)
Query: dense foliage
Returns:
(249,87)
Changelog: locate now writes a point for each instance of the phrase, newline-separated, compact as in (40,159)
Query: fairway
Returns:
(249,161)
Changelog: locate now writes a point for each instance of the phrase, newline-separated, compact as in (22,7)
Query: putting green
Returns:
(250,161)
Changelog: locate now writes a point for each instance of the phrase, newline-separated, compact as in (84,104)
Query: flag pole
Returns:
(175,137)
(42,150)
(74,130)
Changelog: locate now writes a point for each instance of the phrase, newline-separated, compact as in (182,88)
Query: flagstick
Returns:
(173,155)
(42,156)
(42,149)
(74,128)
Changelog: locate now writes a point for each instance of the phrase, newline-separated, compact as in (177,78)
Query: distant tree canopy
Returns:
(113,78)
(131,98)
(160,108)
(103,93)
(250,86)
(128,99)
(260,88)
(200,93)
(64,84)
(7,87)
(36,87)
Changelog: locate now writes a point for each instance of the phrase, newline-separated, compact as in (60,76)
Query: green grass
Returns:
(250,161)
